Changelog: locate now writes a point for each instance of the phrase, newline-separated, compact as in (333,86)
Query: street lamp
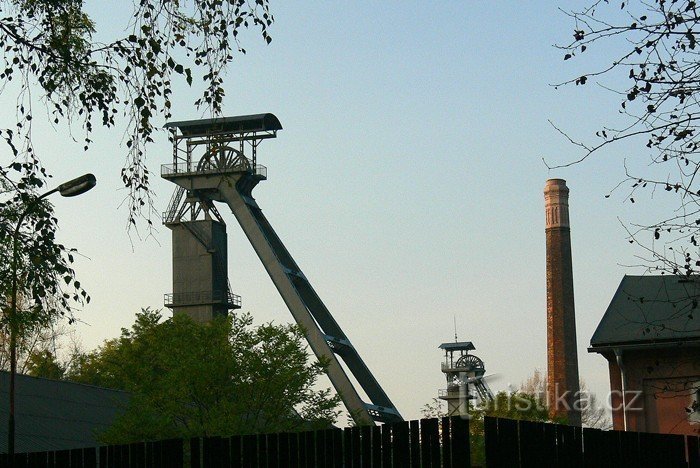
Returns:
(71,188)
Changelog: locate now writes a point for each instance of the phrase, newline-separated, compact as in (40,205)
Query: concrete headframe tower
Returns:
(215,161)
(562,357)
(465,376)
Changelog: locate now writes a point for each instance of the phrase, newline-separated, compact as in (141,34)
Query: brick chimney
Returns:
(562,356)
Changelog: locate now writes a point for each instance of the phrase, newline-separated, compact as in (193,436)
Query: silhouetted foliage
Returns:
(651,55)
(49,53)
(46,284)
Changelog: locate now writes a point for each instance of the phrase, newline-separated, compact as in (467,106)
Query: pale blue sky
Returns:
(407,183)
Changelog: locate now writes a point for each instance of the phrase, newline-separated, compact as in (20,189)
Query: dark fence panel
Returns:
(377,445)
(249,451)
(347,449)
(511,443)
(550,455)
(400,451)
(595,452)
(459,445)
(693,444)
(446,436)
(366,441)
(428,443)
(195,453)
(501,440)
(386,446)
(531,443)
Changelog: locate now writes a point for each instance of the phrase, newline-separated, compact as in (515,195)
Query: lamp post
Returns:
(68,189)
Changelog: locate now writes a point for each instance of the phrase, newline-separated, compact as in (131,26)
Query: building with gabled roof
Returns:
(650,336)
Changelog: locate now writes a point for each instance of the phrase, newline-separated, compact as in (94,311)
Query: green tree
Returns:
(50,54)
(226,377)
(44,364)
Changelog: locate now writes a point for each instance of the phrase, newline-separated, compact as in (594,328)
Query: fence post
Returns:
(273,448)
(366,440)
(400,441)
(386,445)
(376,445)
(304,456)
(89,458)
(250,451)
(283,457)
(414,442)
(262,450)
(693,446)
(319,455)
(460,447)
(446,436)
(62,459)
(76,458)
(195,453)
(594,449)
(293,450)
(347,448)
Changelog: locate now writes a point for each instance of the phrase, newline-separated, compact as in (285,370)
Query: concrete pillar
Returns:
(562,355)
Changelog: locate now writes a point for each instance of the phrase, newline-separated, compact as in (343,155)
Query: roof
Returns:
(56,414)
(237,124)
(651,310)
(457,346)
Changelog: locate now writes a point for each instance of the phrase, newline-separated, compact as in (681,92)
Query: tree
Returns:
(227,377)
(653,64)
(44,364)
(50,54)
(48,49)
(35,340)
(592,413)
(45,280)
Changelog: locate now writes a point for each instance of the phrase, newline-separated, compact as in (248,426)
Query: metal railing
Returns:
(202,297)
(169,170)
(169,215)
(444,366)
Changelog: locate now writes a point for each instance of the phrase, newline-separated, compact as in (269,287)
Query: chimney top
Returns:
(553,184)
(556,203)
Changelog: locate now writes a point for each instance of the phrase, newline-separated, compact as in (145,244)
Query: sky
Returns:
(407,184)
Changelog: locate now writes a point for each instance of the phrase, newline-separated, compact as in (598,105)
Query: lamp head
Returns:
(77,186)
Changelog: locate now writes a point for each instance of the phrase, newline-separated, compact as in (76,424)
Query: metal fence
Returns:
(185,169)
(202,297)
(428,443)
(511,443)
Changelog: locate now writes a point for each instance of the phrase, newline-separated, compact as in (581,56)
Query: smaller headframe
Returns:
(232,125)
(459,346)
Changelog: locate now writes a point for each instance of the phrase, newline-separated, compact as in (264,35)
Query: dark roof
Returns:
(56,414)
(651,310)
(457,346)
(237,124)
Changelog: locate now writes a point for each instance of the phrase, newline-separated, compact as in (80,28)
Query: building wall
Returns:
(667,381)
